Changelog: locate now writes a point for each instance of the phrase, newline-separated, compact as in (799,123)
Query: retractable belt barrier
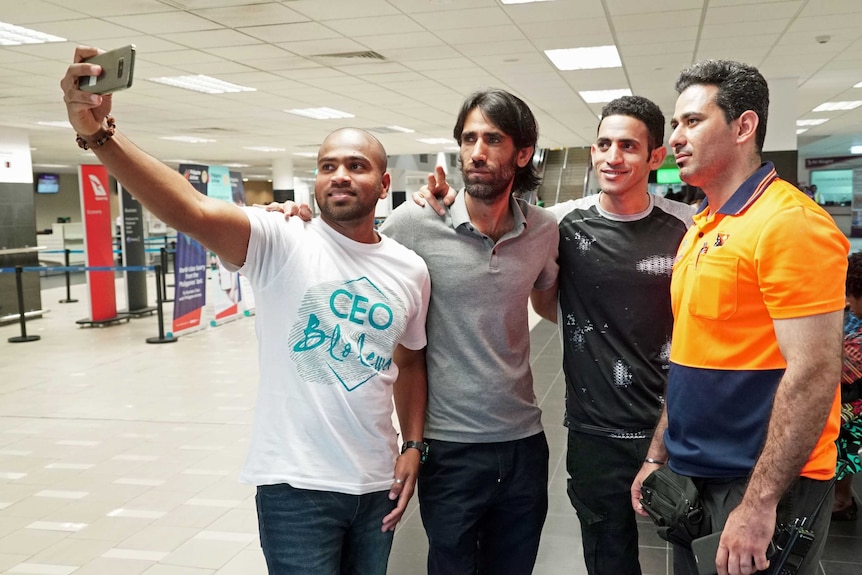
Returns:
(19,271)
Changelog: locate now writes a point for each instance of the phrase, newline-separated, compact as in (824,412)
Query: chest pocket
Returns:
(714,293)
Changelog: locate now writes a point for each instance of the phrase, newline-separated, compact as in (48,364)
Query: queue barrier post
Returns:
(19,284)
(159,300)
(68,285)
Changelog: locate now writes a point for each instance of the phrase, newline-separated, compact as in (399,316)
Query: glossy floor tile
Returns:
(122,457)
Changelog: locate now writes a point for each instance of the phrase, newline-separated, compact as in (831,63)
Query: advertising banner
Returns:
(98,241)
(246,297)
(224,284)
(132,242)
(191,265)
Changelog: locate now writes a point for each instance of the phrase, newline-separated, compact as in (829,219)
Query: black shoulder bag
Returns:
(673,503)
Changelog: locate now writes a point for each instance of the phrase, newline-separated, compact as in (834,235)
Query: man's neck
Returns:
(493,218)
(625,204)
(719,191)
(362,232)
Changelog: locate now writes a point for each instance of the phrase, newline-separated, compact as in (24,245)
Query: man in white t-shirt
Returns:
(341,327)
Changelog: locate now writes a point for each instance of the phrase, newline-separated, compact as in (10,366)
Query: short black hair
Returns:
(515,119)
(740,87)
(641,109)
(854,275)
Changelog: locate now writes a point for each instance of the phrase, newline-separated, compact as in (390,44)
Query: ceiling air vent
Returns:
(367,55)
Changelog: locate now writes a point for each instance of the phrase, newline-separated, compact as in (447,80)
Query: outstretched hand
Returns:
(86,111)
(437,187)
(289,209)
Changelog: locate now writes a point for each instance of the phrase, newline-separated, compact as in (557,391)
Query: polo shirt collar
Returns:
(749,191)
(460,216)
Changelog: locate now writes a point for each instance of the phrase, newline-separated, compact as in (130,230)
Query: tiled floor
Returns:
(121,457)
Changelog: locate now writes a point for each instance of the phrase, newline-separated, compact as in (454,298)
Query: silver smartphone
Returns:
(118,69)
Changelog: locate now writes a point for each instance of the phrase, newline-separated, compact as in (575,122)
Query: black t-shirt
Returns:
(616,318)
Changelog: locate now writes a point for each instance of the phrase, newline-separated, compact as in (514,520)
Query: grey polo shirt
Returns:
(480,387)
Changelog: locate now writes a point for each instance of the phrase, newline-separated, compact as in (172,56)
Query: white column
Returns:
(283,187)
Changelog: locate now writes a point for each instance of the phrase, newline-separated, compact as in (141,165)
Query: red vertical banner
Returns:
(98,244)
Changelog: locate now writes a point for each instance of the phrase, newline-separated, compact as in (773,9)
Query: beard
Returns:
(354,208)
(488,187)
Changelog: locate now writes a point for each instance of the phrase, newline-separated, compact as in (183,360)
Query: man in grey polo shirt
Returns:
(483,489)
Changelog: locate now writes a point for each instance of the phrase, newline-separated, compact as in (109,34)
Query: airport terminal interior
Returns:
(120,448)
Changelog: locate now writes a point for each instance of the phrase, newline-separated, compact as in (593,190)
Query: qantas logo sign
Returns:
(98,188)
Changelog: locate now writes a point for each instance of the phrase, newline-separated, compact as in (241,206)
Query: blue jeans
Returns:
(306,532)
(601,471)
(483,505)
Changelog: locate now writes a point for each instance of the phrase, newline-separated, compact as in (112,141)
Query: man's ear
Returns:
(748,122)
(656,157)
(384,185)
(524,156)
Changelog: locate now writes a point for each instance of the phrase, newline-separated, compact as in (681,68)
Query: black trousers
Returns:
(483,505)
(720,497)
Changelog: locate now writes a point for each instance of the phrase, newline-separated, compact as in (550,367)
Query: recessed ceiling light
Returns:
(436,141)
(401,129)
(833,106)
(585,58)
(859,85)
(56,124)
(187,139)
(266,149)
(856,149)
(320,113)
(11,35)
(306,154)
(201,83)
(597,96)
(801,131)
(812,122)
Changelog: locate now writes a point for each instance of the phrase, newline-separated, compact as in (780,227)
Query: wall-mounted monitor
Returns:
(47,183)
(667,176)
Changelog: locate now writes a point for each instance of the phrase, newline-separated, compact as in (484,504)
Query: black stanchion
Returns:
(163,257)
(68,287)
(161,337)
(19,284)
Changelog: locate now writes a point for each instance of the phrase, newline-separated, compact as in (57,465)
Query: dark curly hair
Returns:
(515,119)
(740,87)
(641,109)
(854,275)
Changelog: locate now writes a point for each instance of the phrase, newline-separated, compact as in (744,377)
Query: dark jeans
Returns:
(483,505)
(306,532)
(601,471)
(720,497)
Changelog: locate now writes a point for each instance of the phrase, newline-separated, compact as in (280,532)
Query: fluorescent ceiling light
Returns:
(201,83)
(812,122)
(187,139)
(859,85)
(11,35)
(55,166)
(400,129)
(56,124)
(436,141)
(306,154)
(585,58)
(856,149)
(264,149)
(320,113)
(597,96)
(234,165)
(833,106)
(801,131)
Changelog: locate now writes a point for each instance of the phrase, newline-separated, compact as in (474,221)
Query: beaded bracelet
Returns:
(100,138)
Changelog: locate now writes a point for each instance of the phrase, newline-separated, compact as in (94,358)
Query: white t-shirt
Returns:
(329,314)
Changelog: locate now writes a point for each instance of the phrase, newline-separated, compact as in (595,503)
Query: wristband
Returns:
(100,138)
(655,461)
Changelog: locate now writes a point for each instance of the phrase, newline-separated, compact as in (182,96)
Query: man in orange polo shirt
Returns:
(752,409)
